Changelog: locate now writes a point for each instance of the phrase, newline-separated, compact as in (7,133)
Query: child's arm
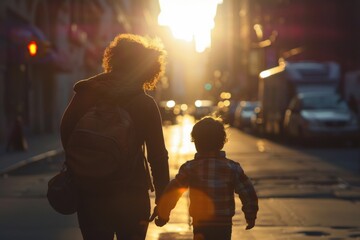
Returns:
(248,196)
(171,195)
(168,200)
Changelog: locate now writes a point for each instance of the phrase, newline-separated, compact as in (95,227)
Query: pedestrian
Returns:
(16,140)
(212,180)
(132,65)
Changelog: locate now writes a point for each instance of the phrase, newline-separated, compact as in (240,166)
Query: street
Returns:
(304,192)
(285,75)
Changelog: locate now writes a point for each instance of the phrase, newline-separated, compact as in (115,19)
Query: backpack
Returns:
(101,147)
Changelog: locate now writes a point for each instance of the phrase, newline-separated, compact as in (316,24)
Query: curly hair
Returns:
(209,134)
(138,56)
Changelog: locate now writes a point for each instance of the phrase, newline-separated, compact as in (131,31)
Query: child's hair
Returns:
(209,134)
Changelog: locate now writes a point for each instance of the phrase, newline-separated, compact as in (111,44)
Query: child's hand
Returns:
(250,224)
(160,222)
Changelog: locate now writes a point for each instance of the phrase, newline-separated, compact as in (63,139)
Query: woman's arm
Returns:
(156,150)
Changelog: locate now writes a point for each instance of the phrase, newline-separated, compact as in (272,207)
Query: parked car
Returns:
(168,111)
(256,121)
(203,108)
(243,113)
(320,114)
(226,107)
(227,110)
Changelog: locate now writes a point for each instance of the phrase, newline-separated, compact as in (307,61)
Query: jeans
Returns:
(129,231)
(124,214)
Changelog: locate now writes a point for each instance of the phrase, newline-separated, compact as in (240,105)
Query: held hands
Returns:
(158,221)
(250,224)
(153,215)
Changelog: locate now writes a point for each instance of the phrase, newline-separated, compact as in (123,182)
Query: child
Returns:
(212,180)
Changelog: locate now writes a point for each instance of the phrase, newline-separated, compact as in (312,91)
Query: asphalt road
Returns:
(305,193)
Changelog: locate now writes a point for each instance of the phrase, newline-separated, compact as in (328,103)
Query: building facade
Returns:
(257,33)
(46,46)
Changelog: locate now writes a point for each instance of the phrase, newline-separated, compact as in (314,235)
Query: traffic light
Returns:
(32,48)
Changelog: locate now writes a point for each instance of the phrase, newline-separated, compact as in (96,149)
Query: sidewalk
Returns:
(40,147)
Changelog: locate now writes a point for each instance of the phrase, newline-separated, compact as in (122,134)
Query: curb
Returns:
(36,158)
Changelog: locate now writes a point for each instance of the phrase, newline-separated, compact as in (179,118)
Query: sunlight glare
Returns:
(190,20)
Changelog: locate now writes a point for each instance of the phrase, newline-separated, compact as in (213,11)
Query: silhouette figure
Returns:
(212,179)
(16,140)
(132,65)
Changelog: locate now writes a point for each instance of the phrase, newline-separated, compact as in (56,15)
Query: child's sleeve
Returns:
(173,192)
(245,189)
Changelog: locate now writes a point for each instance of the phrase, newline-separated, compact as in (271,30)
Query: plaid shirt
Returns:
(212,181)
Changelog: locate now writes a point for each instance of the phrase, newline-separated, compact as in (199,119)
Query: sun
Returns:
(190,20)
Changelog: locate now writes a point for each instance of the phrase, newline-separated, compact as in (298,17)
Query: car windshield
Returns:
(323,102)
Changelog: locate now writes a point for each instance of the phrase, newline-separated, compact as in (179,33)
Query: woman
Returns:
(132,64)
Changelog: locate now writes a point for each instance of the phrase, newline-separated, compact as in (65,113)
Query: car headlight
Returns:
(170,103)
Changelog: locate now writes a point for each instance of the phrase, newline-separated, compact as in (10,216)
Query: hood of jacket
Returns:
(110,85)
